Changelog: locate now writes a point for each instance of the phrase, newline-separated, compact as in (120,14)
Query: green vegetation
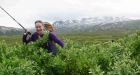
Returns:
(92,37)
(121,57)
(80,38)
(11,40)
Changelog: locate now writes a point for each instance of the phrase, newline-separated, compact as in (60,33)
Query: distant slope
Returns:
(116,27)
(10,31)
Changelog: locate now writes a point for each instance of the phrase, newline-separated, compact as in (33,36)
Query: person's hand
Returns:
(27,33)
(26,36)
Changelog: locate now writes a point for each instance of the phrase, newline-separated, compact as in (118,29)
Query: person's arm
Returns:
(56,39)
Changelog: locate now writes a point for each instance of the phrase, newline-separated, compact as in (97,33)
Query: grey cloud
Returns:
(27,11)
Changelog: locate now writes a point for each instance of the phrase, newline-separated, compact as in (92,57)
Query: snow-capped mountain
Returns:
(97,24)
(86,25)
(10,31)
(90,21)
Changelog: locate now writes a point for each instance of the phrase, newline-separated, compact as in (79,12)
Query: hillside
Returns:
(102,25)
(10,31)
(116,27)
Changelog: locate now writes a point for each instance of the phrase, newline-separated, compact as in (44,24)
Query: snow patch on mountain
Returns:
(90,21)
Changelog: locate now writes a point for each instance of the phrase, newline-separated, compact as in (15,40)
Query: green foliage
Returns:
(121,57)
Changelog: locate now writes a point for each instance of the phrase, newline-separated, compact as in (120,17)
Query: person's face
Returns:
(39,27)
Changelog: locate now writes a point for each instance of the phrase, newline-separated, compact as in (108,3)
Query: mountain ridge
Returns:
(86,25)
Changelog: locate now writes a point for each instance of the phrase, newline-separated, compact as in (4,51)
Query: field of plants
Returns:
(119,57)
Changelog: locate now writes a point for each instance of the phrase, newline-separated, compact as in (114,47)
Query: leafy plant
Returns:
(121,57)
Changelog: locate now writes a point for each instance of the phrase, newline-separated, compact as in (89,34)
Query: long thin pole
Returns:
(13,18)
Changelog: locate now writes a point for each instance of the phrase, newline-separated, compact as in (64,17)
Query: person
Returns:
(51,40)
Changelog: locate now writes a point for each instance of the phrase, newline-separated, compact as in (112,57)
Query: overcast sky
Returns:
(27,11)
